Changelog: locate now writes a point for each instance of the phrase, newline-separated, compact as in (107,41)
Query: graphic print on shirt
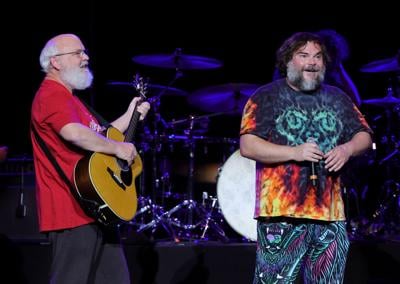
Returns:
(297,125)
(283,116)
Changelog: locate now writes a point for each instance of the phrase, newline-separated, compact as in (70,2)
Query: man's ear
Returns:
(54,63)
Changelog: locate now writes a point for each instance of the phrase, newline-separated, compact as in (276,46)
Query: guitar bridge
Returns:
(116,178)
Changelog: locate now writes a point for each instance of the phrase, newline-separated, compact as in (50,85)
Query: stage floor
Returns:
(27,261)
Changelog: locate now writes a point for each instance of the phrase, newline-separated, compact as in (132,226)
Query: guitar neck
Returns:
(130,132)
(140,87)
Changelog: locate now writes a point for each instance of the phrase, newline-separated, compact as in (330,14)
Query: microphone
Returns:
(313,176)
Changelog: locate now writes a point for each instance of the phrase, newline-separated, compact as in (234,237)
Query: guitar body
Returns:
(101,178)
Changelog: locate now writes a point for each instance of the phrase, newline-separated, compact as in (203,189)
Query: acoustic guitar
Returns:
(106,183)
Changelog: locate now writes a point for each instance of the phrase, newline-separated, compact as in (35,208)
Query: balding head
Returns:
(58,44)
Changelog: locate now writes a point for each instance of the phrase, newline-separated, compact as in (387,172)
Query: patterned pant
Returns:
(284,248)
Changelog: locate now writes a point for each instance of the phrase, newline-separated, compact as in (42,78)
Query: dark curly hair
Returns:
(293,43)
(336,45)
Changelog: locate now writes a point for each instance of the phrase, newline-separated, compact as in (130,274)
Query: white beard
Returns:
(77,78)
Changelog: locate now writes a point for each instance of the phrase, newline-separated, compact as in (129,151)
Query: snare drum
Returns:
(236,194)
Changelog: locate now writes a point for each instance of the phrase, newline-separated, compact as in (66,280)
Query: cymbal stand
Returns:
(149,209)
(384,221)
(391,155)
(211,223)
(148,206)
(391,138)
(190,206)
(156,180)
(160,217)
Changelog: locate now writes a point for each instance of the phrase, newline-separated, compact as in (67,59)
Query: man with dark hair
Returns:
(301,132)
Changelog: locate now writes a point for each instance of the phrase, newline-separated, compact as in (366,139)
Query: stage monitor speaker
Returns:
(18,202)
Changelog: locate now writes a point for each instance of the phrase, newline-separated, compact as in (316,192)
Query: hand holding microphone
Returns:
(313,176)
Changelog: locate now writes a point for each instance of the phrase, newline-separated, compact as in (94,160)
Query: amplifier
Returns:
(17,200)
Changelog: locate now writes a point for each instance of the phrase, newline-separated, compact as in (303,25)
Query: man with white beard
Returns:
(301,133)
(83,251)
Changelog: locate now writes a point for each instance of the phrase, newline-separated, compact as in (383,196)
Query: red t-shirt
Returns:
(53,107)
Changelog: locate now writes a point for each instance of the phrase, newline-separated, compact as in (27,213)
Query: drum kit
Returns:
(384,159)
(183,168)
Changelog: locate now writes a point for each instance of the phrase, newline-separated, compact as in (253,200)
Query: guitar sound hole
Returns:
(126,172)
(123,165)
(126,177)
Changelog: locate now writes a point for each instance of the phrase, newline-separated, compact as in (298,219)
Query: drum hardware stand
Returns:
(155,101)
(159,217)
(383,221)
(206,222)
(156,147)
(213,203)
(189,204)
(390,155)
(147,205)
(149,208)
(21,209)
(354,222)
(210,222)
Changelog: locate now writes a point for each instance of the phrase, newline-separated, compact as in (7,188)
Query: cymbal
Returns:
(229,98)
(178,61)
(387,101)
(384,65)
(192,118)
(153,89)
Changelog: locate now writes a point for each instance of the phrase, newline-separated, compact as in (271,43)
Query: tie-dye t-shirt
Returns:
(281,115)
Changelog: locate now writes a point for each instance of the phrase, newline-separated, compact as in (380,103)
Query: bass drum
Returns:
(236,194)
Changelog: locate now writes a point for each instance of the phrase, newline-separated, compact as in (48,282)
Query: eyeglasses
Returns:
(79,52)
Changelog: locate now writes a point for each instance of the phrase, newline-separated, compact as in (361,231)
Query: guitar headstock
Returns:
(140,85)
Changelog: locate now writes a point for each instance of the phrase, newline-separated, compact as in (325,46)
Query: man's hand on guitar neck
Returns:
(143,107)
(123,121)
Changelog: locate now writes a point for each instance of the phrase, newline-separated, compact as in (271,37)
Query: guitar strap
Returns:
(99,118)
(93,208)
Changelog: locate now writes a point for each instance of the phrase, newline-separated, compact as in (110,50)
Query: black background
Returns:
(243,37)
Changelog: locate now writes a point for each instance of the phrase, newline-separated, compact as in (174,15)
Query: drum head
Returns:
(236,194)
